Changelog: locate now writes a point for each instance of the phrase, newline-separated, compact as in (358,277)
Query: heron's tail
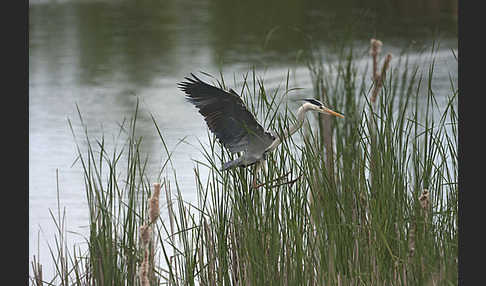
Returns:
(231,164)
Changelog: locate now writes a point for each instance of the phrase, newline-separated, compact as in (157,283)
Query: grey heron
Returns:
(235,127)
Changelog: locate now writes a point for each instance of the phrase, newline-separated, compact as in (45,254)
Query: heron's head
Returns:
(315,105)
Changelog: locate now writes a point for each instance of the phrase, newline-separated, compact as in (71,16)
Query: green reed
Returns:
(383,212)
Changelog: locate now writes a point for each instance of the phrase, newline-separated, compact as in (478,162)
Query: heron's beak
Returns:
(326,110)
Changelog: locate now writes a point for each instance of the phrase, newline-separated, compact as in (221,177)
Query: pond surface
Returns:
(103,55)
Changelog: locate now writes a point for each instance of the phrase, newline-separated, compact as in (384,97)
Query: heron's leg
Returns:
(278,179)
(258,166)
(285,183)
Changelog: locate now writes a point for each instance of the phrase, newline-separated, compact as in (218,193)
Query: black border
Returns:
(16,91)
(15,136)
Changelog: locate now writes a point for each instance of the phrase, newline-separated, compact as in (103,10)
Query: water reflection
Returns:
(102,55)
(136,41)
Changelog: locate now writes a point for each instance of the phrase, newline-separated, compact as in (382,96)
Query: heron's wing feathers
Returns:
(226,116)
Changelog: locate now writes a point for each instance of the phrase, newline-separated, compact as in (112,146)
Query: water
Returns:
(103,55)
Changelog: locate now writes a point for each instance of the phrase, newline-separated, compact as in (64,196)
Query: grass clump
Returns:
(383,211)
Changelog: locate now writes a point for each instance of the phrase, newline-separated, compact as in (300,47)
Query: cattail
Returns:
(375,46)
(385,65)
(424,200)
(154,210)
(378,77)
(145,235)
(411,240)
(143,271)
(375,49)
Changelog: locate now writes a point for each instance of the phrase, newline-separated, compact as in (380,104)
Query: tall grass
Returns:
(394,223)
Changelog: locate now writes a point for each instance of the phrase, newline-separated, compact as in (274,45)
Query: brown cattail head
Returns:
(145,235)
(411,240)
(156,190)
(154,210)
(143,271)
(386,63)
(375,47)
(425,200)
(385,66)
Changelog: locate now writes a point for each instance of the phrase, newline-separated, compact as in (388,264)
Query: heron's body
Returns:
(236,128)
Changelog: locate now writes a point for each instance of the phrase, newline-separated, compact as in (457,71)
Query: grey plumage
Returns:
(228,118)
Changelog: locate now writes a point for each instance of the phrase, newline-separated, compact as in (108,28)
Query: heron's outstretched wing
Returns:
(226,116)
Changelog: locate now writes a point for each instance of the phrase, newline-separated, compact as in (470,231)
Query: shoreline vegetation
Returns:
(370,199)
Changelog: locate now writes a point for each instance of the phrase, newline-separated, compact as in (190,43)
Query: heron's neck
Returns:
(298,124)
